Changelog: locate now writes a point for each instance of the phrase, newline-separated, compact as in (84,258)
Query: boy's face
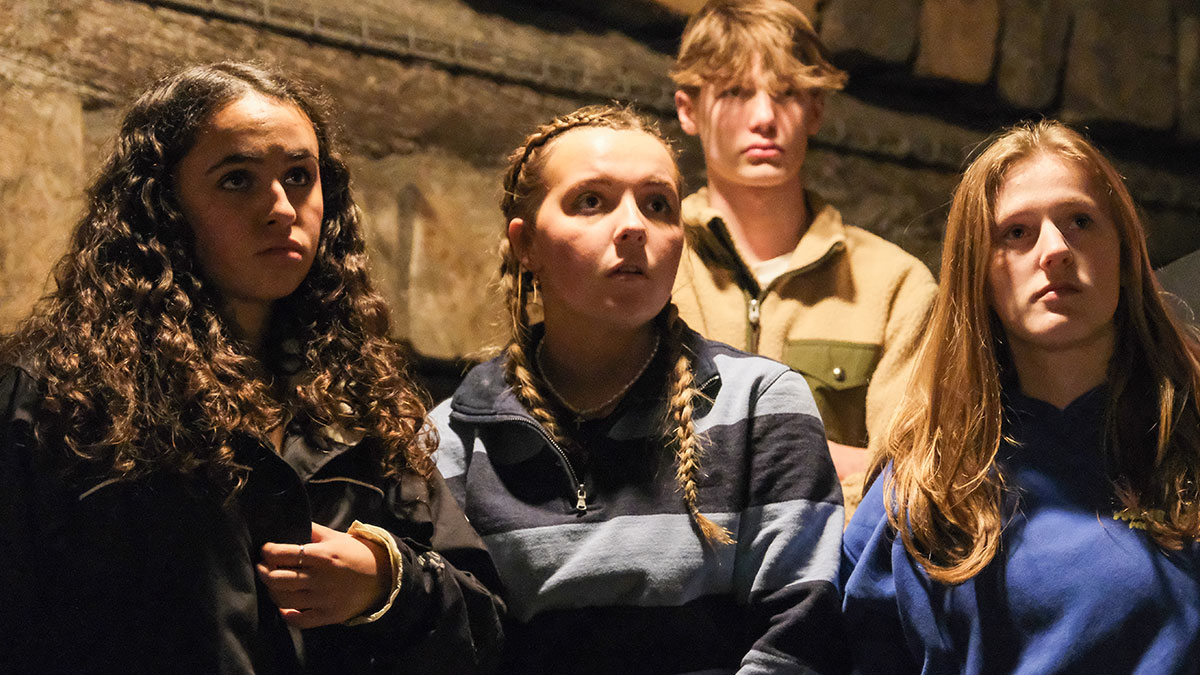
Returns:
(753,136)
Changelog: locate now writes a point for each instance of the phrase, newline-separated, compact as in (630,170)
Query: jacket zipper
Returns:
(754,304)
(578,485)
(752,317)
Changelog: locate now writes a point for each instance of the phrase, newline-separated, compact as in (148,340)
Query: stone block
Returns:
(883,31)
(958,40)
(1121,64)
(432,227)
(41,190)
(1032,50)
(1188,40)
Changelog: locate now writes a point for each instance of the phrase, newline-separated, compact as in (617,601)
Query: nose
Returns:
(762,111)
(282,211)
(1054,250)
(631,225)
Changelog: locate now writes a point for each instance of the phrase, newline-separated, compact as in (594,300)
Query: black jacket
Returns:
(157,575)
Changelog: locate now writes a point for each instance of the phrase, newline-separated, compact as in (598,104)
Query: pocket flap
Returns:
(835,364)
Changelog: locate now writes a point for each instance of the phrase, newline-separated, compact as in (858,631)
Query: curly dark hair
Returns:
(140,368)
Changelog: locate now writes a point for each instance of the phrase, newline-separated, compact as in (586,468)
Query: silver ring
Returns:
(301,561)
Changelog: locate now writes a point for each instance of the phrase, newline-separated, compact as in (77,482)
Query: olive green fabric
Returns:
(838,374)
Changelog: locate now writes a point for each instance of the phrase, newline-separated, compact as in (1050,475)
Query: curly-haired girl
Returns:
(1039,503)
(207,436)
(655,502)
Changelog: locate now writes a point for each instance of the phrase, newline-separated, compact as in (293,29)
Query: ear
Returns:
(686,110)
(520,241)
(816,112)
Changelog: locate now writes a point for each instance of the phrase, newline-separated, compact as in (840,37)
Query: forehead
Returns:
(255,120)
(1044,181)
(624,155)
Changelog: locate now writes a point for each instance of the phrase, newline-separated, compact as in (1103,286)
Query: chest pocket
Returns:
(838,374)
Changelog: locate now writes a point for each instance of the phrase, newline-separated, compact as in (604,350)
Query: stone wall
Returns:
(432,94)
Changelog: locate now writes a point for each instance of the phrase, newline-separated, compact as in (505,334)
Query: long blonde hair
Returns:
(945,493)
(524,191)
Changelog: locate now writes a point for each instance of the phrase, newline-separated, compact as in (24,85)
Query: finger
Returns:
(300,601)
(285,578)
(309,618)
(286,555)
(321,533)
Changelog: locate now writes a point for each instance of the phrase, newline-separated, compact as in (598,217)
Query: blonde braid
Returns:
(687,444)
(518,283)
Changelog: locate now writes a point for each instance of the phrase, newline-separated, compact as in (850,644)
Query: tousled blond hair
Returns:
(945,493)
(524,191)
(722,41)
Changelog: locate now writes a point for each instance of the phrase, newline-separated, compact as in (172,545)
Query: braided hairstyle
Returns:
(524,191)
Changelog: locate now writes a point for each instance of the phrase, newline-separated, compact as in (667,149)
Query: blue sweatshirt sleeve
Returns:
(870,604)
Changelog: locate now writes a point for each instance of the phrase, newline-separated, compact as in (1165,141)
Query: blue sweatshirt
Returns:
(1071,590)
(625,584)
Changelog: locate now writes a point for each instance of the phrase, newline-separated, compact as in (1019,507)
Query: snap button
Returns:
(839,374)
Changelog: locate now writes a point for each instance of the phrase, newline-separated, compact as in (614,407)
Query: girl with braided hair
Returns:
(211,460)
(655,502)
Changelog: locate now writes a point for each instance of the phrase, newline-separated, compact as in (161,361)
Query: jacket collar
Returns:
(709,236)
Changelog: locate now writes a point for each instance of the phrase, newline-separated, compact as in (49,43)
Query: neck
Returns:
(1060,376)
(765,223)
(587,368)
(250,320)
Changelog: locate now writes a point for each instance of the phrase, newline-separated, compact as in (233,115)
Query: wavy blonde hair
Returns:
(139,369)
(945,493)
(524,191)
(722,40)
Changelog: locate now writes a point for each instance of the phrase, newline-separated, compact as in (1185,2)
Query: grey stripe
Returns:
(450,457)
(762,663)
(788,543)
(773,390)
(659,560)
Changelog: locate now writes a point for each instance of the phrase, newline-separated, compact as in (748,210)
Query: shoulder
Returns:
(868,248)
(750,385)
(20,393)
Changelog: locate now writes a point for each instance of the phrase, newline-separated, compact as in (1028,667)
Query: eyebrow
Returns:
(606,181)
(255,158)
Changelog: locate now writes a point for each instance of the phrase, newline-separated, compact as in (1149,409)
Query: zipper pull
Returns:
(581,499)
(752,314)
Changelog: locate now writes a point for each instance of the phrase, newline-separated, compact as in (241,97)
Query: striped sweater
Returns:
(603,568)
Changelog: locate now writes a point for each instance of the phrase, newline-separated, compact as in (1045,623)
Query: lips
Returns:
(763,150)
(1056,289)
(289,248)
(627,268)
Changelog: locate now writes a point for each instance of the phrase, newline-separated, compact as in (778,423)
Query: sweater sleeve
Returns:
(789,538)
(447,615)
(18,579)
(906,319)
(869,604)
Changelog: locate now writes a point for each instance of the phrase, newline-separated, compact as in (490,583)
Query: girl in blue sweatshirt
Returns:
(1037,498)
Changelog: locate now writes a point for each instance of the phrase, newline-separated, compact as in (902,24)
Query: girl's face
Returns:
(1055,272)
(250,189)
(607,241)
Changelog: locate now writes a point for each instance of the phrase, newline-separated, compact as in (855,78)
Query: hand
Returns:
(335,578)
(848,460)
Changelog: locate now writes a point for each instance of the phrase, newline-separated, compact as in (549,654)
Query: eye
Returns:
(235,180)
(298,176)
(1015,233)
(735,91)
(588,202)
(1082,221)
(660,205)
